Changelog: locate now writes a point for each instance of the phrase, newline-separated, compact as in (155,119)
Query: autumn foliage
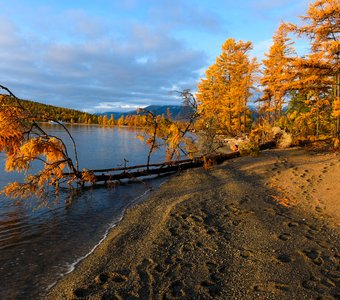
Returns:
(161,131)
(24,141)
(277,74)
(298,95)
(225,92)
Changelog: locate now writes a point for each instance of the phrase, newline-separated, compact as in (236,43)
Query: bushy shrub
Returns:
(283,139)
(249,148)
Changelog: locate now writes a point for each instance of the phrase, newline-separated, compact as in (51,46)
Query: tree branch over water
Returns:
(23,141)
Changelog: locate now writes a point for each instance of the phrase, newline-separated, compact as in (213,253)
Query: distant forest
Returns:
(41,112)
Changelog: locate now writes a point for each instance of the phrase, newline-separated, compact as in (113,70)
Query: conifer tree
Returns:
(112,120)
(319,71)
(224,94)
(277,74)
(105,120)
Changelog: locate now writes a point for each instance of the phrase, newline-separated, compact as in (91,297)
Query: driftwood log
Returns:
(115,174)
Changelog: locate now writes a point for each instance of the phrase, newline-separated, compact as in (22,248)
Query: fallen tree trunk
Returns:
(165,168)
(108,175)
(267,145)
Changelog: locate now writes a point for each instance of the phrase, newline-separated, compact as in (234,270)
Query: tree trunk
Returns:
(166,167)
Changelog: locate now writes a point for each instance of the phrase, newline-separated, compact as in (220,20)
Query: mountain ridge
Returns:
(177,112)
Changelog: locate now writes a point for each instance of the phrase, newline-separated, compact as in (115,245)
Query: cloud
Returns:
(83,25)
(86,55)
(84,65)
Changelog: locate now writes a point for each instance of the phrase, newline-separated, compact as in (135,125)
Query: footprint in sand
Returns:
(210,265)
(173,231)
(177,288)
(293,224)
(81,292)
(211,231)
(271,287)
(102,278)
(321,286)
(212,288)
(246,253)
(313,285)
(160,269)
(284,237)
(332,275)
(184,216)
(318,209)
(197,218)
(245,199)
(185,248)
(285,258)
(118,278)
(313,227)
(314,255)
(324,244)
(109,296)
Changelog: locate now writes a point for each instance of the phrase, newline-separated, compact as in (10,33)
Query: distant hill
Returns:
(177,112)
(55,112)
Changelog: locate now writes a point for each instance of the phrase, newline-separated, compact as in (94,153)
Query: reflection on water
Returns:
(36,246)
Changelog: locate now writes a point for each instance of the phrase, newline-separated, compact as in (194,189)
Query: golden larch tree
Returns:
(319,71)
(276,75)
(224,94)
(105,120)
(24,141)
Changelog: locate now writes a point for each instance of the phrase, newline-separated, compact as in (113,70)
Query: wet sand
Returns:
(252,228)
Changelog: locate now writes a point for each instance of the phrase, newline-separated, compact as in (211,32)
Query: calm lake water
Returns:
(38,246)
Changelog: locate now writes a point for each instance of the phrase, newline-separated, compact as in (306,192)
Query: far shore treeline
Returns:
(131,118)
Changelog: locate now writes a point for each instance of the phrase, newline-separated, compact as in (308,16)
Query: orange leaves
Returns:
(36,148)
(317,74)
(322,22)
(53,150)
(336,107)
(174,136)
(224,93)
(13,190)
(164,131)
(50,174)
(276,75)
(88,176)
(174,139)
(23,142)
(11,126)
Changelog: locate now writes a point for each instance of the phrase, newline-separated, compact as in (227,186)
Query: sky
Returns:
(110,55)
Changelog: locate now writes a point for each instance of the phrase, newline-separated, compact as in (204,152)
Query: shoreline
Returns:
(248,229)
(73,265)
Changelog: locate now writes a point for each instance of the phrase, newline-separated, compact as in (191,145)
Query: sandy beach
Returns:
(264,227)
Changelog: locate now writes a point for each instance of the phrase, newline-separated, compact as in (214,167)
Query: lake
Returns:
(39,245)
